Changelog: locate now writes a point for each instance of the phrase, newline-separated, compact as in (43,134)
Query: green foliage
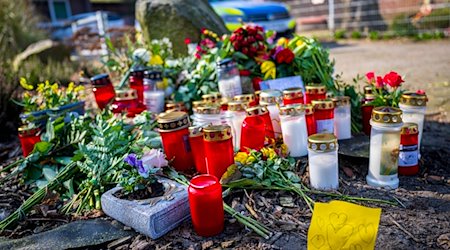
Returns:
(438,19)
(345,89)
(402,26)
(356,35)
(339,34)
(374,35)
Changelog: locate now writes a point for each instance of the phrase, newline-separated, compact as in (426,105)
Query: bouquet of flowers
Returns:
(386,90)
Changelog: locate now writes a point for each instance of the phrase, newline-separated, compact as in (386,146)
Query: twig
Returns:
(399,202)
(405,231)
(251,210)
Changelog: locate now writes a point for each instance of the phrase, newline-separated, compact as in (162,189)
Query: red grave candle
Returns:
(248,99)
(206,205)
(252,133)
(173,128)
(219,151)
(103,90)
(408,158)
(292,96)
(28,137)
(257,94)
(324,116)
(136,81)
(198,149)
(310,120)
(262,112)
(126,101)
(367,108)
(314,92)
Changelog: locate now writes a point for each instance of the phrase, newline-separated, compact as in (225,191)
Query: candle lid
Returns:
(315,89)
(270,97)
(340,101)
(196,104)
(257,93)
(101,79)
(153,74)
(323,104)
(368,90)
(173,121)
(409,128)
(208,110)
(322,142)
(210,97)
(369,97)
(292,110)
(245,98)
(225,100)
(138,71)
(126,94)
(28,131)
(195,131)
(257,110)
(292,93)
(387,115)
(204,181)
(175,105)
(413,99)
(329,95)
(309,109)
(236,106)
(217,133)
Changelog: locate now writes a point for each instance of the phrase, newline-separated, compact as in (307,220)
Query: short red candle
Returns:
(366,110)
(28,137)
(198,149)
(103,90)
(262,112)
(292,96)
(324,116)
(219,151)
(314,92)
(125,101)
(173,128)
(408,160)
(206,205)
(136,81)
(252,133)
(310,120)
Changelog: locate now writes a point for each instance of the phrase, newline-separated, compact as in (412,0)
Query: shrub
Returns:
(356,35)
(339,34)
(374,35)
(402,26)
(438,19)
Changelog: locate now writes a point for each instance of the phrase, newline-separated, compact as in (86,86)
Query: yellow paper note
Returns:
(343,225)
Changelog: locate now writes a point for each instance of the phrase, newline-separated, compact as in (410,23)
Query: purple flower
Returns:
(132,160)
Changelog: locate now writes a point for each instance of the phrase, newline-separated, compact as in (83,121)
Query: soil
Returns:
(155,189)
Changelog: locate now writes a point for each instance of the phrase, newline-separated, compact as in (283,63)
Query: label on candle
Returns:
(325,126)
(408,156)
(187,145)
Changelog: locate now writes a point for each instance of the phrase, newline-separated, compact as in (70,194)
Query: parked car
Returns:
(270,15)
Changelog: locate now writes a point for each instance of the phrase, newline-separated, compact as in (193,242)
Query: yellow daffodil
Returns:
(284,150)
(283,41)
(26,95)
(54,88)
(79,88)
(23,82)
(269,153)
(70,88)
(269,70)
(241,157)
(156,60)
(40,87)
(250,159)
(299,43)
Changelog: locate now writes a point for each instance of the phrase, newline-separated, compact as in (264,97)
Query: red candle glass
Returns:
(314,92)
(262,112)
(248,99)
(28,137)
(292,96)
(206,205)
(136,81)
(219,151)
(408,159)
(324,116)
(126,101)
(310,120)
(198,149)
(103,90)
(173,128)
(366,109)
(252,133)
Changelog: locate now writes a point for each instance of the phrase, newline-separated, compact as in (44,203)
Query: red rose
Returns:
(370,77)
(379,83)
(393,79)
(420,92)
(187,41)
(285,56)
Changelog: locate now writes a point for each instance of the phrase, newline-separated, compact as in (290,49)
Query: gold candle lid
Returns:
(213,97)
(217,133)
(28,131)
(292,93)
(172,121)
(309,109)
(322,104)
(409,128)
(257,110)
(126,94)
(387,115)
(322,142)
(368,90)
(208,110)
(369,97)
(315,89)
(340,101)
(196,104)
(245,98)
(270,97)
(257,93)
(236,106)
(329,95)
(414,99)
(195,131)
(175,106)
(292,110)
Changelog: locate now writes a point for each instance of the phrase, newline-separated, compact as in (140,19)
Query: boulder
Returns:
(177,20)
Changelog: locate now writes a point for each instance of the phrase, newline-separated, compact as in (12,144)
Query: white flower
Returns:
(141,54)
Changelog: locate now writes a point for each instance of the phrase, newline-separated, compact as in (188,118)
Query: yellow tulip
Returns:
(269,70)
(40,87)
(299,43)
(241,157)
(54,88)
(156,60)
(23,82)
(269,153)
(70,87)
(250,159)
(283,41)
(79,88)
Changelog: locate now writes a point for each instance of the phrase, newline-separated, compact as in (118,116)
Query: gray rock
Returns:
(153,217)
(177,20)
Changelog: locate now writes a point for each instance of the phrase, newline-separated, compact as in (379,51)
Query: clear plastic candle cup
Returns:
(413,106)
(323,161)
(342,117)
(271,98)
(293,125)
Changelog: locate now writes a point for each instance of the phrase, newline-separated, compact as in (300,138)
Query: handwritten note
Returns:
(343,225)
(283,83)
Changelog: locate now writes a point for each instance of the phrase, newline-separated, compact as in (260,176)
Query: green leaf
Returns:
(49,172)
(43,147)
(63,160)
(41,183)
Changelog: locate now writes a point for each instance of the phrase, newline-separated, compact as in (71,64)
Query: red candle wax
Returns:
(198,149)
(408,159)
(252,133)
(292,96)
(206,205)
(218,149)
(103,90)
(314,92)
(310,120)
(28,137)
(324,115)
(173,128)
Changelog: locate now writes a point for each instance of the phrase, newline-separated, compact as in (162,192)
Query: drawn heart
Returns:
(367,233)
(355,247)
(338,238)
(320,222)
(338,220)
(318,241)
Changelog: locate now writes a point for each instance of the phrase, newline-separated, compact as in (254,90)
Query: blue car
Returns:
(270,15)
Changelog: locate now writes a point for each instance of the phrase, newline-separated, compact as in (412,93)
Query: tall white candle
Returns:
(295,134)
(154,101)
(342,123)
(323,170)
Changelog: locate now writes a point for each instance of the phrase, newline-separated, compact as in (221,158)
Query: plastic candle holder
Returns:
(310,120)
(218,149)
(28,137)
(262,112)
(323,161)
(413,106)
(136,81)
(271,98)
(342,117)
(408,158)
(103,90)
(248,99)
(293,125)
(324,115)
(236,116)
(253,133)
(126,101)
(206,205)
(293,96)
(257,93)
(229,81)
(384,147)
(205,115)
(198,149)
(315,92)
(173,128)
